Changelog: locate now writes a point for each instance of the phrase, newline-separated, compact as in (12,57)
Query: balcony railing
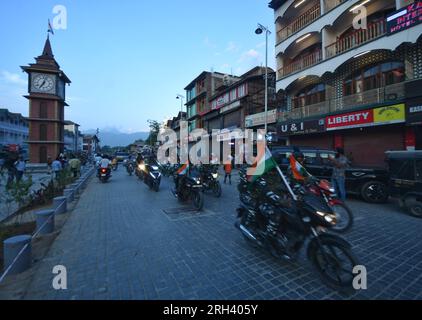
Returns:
(385,94)
(300,64)
(300,22)
(331,4)
(373,31)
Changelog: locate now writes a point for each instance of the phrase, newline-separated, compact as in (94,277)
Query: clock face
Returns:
(44,83)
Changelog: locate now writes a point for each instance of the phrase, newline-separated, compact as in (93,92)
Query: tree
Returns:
(154,129)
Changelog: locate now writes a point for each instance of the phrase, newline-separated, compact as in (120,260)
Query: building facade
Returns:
(72,135)
(91,144)
(347,70)
(14,131)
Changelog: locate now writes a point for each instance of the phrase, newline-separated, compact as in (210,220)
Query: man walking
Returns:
(20,166)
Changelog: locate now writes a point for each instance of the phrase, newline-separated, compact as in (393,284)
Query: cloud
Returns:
(207,42)
(232,47)
(250,56)
(13,78)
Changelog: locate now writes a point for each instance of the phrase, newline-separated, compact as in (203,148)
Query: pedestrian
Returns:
(20,166)
(228,169)
(340,164)
(57,167)
(11,170)
(75,167)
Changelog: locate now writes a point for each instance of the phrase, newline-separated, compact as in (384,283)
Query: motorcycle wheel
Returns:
(335,263)
(216,189)
(198,201)
(344,218)
(156,186)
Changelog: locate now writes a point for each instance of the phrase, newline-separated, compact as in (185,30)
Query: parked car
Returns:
(405,169)
(369,183)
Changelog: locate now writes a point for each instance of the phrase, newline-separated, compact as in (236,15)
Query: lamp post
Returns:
(179,96)
(260,30)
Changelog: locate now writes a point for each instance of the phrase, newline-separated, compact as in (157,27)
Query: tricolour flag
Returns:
(183,169)
(264,163)
(50,28)
(299,171)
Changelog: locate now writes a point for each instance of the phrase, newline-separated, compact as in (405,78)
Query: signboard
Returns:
(366,118)
(414,112)
(231,106)
(259,118)
(405,18)
(229,97)
(303,127)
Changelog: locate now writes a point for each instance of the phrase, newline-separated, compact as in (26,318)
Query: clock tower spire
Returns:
(47,99)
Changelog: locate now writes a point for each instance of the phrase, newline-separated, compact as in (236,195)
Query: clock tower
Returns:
(46,88)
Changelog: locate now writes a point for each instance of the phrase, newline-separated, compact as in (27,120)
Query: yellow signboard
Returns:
(390,114)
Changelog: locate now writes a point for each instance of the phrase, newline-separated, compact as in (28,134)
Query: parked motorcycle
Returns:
(209,176)
(152,176)
(304,217)
(191,189)
(326,191)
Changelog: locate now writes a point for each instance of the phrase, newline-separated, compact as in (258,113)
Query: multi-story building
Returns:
(14,130)
(71,137)
(350,71)
(198,94)
(91,144)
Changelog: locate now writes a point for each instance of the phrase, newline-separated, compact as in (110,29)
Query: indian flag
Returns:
(183,169)
(299,172)
(264,163)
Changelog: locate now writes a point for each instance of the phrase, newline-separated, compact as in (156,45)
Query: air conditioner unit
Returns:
(226,79)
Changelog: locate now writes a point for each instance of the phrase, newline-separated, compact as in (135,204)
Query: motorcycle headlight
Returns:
(141,167)
(215,175)
(328,217)
(155,168)
(332,190)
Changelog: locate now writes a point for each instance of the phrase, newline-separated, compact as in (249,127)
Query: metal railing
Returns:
(381,95)
(36,233)
(301,63)
(359,37)
(299,23)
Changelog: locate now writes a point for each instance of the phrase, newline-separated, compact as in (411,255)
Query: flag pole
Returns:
(286,183)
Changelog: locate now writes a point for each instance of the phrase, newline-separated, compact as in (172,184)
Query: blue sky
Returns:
(129,59)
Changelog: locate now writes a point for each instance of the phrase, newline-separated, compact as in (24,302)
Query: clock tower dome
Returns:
(47,99)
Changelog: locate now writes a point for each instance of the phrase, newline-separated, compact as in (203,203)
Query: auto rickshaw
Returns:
(405,171)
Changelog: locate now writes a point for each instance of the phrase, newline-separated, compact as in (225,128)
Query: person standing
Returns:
(340,164)
(20,166)
(57,167)
(228,167)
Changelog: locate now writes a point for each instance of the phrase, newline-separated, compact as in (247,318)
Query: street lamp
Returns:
(179,96)
(260,30)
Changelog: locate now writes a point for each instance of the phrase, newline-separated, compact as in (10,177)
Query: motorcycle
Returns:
(168,169)
(130,168)
(326,191)
(152,176)
(114,166)
(302,217)
(139,170)
(191,189)
(209,177)
(104,174)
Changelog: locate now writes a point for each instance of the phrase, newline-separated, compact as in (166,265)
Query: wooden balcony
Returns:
(387,94)
(299,23)
(331,4)
(359,37)
(300,64)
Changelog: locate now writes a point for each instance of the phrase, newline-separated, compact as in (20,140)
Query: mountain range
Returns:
(116,138)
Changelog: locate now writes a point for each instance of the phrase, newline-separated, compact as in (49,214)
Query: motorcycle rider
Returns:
(296,171)
(105,163)
(180,176)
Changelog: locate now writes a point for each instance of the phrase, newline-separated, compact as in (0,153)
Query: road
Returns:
(119,243)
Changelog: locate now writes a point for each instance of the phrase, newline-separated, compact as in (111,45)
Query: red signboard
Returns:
(350,120)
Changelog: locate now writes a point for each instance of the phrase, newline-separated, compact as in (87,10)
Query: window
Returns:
(374,77)
(43,132)
(43,110)
(310,95)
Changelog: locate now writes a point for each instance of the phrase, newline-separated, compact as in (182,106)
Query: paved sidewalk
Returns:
(120,244)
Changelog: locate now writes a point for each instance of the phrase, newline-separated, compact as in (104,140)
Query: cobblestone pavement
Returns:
(120,244)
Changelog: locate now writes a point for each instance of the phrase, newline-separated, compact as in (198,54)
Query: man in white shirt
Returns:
(105,163)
